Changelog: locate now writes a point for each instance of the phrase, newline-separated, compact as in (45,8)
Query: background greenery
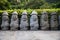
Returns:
(29,4)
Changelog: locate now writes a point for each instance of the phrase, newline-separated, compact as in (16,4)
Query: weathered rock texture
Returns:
(30,22)
(24,21)
(44,21)
(54,21)
(5,21)
(14,21)
(34,21)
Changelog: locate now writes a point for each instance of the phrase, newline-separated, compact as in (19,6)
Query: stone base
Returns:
(29,35)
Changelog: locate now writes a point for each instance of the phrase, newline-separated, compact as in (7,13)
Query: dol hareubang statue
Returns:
(34,21)
(44,21)
(5,21)
(14,21)
(53,21)
(59,23)
(24,21)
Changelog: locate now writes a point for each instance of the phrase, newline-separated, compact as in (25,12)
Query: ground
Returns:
(29,35)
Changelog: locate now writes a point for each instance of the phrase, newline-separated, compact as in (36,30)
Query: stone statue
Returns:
(59,23)
(53,21)
(44,21)
(14,21)
(24,21)
(5,21)
(34,21)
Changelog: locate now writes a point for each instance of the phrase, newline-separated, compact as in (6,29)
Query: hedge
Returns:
(30,10)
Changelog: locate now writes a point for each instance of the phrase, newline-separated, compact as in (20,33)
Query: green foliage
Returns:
(4,4)
(29,4)
(30,10)
(46,5)
(35,4)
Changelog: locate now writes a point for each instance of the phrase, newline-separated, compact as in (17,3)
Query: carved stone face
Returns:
(24,17)
(45,16)
(5,18)
(53,16)
(34,18)
(14,17)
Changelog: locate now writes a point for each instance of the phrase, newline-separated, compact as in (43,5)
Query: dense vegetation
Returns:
(29,4)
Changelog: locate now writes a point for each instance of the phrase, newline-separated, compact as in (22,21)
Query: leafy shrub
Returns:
(30,10)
